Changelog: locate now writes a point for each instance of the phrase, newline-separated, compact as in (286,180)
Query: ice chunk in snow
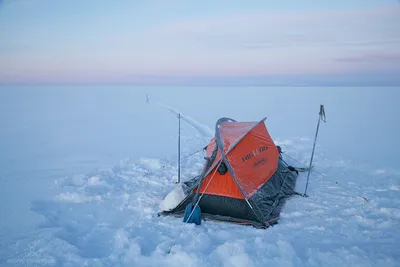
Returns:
(153,164)
(76,198)
(95,181)
(173,198)
(380,171)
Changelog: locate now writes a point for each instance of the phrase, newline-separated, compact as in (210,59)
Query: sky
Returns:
(184,41)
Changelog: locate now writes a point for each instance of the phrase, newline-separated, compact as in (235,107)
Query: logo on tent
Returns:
(254,153)
(260,162)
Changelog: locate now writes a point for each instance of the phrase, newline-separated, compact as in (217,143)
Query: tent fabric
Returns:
(257,182)
(254,160)
(221,185)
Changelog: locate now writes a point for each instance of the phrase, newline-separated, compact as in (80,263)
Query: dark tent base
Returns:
(267,203)
(219,218)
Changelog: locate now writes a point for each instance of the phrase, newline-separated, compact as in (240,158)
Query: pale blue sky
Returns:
(124,41)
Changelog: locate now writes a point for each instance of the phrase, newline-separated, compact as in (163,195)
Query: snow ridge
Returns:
(203,129)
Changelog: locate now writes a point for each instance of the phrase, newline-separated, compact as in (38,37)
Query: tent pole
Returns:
(321,117)
(179,148)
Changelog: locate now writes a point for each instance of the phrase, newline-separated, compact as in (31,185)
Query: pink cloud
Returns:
(382,59)
(260,43)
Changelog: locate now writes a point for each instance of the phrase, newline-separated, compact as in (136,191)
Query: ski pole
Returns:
(323,118)
(179,148)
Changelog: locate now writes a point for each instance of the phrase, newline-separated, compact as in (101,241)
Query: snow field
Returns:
(109,218)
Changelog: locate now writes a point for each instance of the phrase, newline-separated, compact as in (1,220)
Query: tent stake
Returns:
(323,118)
(179,148)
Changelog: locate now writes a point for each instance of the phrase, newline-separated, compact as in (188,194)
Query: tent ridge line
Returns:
(241,138)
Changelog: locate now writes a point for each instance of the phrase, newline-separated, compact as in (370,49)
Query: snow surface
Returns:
(115,223)
(108,216)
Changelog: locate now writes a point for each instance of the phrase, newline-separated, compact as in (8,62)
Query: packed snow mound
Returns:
(109,218)
(173,198)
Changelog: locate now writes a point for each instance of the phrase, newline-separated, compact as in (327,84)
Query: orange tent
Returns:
(244,179)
